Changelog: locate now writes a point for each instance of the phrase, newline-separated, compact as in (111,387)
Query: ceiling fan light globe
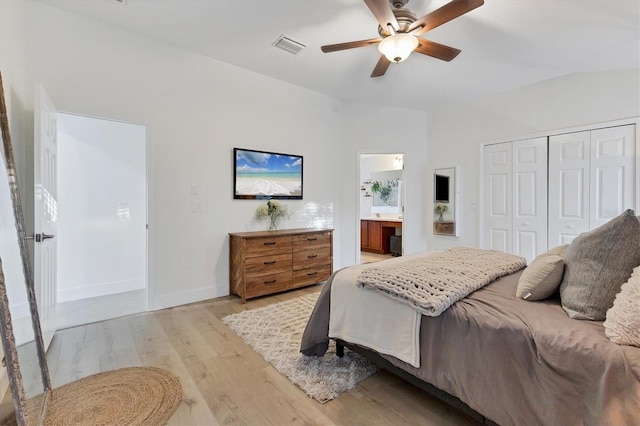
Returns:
(398,47)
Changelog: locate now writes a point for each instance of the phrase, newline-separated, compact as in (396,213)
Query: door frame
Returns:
(148,194)
(358,197)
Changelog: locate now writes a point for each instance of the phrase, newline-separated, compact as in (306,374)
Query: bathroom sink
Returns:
(382,218)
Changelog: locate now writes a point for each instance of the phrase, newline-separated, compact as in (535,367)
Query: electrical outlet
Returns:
(195,190)
(196,206)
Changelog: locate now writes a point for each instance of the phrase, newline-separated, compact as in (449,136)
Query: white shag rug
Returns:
(275,332)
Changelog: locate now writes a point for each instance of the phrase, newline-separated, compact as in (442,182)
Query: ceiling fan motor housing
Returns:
(397,4)
(405,18)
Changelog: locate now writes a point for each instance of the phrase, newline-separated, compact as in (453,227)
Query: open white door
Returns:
(46,211)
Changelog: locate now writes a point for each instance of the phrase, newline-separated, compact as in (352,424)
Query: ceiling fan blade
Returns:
(350,45)
(381,67)
(436,50)
(382,11)
(443,15)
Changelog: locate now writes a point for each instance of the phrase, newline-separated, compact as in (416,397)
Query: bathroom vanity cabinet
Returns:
(375,235)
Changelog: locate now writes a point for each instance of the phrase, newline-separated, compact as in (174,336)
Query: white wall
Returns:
(102,207)
(368,129)
(196,110)
(457,132)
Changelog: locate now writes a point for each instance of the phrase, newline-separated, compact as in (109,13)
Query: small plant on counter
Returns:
(273,210)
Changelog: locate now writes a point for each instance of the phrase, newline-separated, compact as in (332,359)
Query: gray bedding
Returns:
(517,362)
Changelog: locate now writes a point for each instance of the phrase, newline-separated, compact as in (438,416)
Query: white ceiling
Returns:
(505,43)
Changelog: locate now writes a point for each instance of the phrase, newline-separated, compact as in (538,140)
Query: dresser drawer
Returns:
(265,284)
(311,257)
(267,245)
(311,275)
(269,264)
(301,242)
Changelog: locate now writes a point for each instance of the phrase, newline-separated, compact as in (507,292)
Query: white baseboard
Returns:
(184,297)
(97,290)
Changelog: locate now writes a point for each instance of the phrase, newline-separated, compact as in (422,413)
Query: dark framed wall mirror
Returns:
(22,343)
(444,202)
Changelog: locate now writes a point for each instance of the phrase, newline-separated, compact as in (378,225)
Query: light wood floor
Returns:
(224,380)
(366,257)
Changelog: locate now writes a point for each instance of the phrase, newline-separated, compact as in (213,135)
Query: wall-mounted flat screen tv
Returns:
(441,189)
(262,175)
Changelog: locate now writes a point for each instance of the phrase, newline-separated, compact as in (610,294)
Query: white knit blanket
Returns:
(433,283)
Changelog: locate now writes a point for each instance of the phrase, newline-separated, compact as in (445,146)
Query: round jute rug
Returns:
(128,396)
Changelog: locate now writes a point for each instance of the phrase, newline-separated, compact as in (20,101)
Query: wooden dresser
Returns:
(266,262)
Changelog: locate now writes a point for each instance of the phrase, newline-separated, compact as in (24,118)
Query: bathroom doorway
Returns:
(381,206)
(102,221)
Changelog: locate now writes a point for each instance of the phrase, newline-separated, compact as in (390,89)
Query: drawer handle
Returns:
(311,256)
(270,263)
(270,282)
(310,274)
(270,243)
(312,238)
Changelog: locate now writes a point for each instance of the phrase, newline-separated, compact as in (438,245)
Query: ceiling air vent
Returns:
(289,44)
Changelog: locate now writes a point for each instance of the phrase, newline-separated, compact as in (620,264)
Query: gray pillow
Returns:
(597,263)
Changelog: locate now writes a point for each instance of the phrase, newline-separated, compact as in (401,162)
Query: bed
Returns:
(508,360)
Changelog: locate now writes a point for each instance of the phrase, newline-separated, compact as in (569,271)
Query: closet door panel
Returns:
(573,189)
(612,173)
(569,167)
(530,197)
(498,231)
(499,239)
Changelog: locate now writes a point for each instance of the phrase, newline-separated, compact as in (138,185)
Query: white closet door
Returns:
(612,173)
(569,170)
(498,230)
(530,197)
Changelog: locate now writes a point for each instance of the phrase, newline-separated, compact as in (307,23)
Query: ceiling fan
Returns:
(399,30)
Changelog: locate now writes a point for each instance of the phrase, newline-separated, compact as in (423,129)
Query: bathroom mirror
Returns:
(386,192)
(22,342)
(444,201)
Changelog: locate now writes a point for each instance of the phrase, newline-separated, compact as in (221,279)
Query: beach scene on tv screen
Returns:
(266,174)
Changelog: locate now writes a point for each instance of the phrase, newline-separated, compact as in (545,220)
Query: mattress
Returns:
(516,362)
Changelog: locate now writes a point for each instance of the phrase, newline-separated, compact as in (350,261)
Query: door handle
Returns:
(41,237)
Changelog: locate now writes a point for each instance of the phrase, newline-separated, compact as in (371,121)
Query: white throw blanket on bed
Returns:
(373,320)
(431,284)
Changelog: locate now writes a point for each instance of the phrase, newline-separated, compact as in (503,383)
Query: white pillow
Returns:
(622,324)
(541,278)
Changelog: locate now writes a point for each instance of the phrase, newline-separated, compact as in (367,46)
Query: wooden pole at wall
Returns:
(22,240)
